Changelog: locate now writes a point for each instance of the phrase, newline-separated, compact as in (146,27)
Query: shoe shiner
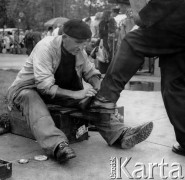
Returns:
(53,74)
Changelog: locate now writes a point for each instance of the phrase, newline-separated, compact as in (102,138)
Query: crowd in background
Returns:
(10,42)
(18,42)
(107,34)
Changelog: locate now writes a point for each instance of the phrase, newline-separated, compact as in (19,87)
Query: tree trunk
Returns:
(53,9)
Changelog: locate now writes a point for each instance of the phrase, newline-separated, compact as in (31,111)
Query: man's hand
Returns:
(89,92)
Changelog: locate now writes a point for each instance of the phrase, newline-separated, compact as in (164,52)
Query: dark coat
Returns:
(164,31)
(165,15)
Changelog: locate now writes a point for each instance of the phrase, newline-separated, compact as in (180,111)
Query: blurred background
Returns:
(29,14)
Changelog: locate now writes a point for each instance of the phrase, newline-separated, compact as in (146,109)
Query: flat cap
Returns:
(77,29)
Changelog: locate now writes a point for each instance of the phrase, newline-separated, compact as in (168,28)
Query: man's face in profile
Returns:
(73,45)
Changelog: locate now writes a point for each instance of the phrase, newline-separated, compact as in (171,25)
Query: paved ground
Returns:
(12,61)
(93,156)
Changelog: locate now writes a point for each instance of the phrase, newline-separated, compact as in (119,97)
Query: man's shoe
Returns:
(133,136)
(178,149)
(64,152)
(101,102)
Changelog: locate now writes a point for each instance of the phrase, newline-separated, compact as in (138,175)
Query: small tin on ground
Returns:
(40,158)
(5,169)
(23,161)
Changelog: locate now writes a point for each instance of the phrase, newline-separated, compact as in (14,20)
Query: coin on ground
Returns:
(40,158)
(23,161)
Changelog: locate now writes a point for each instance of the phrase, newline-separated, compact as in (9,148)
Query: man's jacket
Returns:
(167,15)
(40,67)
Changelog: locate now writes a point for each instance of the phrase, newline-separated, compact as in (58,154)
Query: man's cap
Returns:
(78,29)
(116,10)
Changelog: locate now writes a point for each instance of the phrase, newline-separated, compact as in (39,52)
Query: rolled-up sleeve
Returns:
(156,10)
(43,70)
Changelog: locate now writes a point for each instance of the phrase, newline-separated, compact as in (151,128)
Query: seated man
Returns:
(53,74)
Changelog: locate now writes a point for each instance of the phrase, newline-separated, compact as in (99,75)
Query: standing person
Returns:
(126,26)
(21,39)
(95,25)
(16,44)
(53,74)
(103,34)
(107,32)
(160,34)
(30,40)
(8,41)
(112,30)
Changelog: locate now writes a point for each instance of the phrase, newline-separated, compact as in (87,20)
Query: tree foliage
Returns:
(4,20)
(33,14)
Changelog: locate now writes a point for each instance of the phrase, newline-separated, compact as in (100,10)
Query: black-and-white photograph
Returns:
(92,89)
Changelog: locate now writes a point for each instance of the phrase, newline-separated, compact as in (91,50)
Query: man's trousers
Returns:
(38,117)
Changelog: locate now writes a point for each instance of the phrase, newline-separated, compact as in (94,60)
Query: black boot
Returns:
(63,152)
(178,149)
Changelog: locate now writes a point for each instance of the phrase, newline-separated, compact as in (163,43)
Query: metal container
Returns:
(5,170)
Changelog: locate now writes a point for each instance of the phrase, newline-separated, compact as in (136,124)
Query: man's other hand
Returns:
(89,92)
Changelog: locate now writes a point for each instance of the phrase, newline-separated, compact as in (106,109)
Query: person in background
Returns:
(21,41)
(107,32)
(16,44)
(103,35)
(95,25)
(126,26)
(53,74)
(95,41)
(30,40)
(103,28)
(112,31)
(8,41)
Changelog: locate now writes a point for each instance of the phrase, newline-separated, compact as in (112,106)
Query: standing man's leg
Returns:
(126,60)
(173,93)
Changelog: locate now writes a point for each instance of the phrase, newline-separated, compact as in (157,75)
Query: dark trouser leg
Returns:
(173,92)
(134,47)
(122,68)
(110,128)
(39,120)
